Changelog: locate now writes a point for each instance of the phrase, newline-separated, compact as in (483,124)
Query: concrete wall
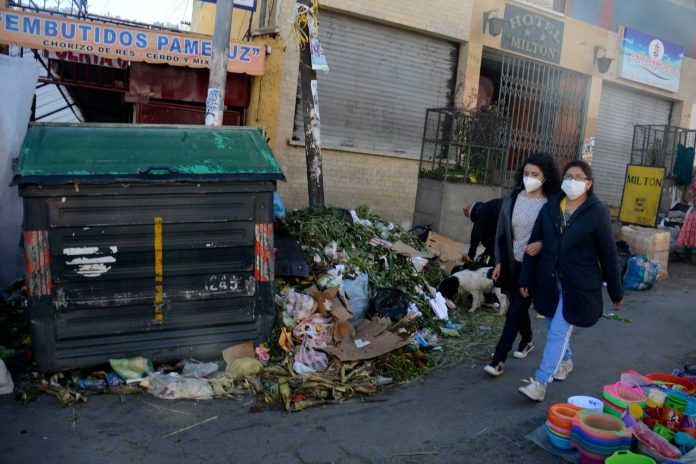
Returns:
(440,204)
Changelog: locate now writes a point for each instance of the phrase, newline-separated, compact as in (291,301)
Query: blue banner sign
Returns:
(650,60)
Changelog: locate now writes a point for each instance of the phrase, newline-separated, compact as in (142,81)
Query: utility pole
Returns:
(315,178)
(215,103)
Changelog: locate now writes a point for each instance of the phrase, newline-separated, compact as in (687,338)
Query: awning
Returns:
(63,34)
(106,153)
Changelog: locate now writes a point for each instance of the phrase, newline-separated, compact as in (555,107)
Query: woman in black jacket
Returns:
(566,277)
(536,179)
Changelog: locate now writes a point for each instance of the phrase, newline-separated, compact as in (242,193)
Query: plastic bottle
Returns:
(91,384)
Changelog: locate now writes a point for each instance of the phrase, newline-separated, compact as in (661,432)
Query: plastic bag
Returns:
(358,296)
(389,302)
(6,384)
(624,253)
(308,360)
(243,367)
(315,331)
(278,206)
(299,306)
(173,387)
(132,368)
(196,368)
(641,273)
(421,232)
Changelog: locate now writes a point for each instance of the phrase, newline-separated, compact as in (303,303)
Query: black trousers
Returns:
(516,320)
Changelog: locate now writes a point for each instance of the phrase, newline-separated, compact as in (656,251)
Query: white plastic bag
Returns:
(308,360)
(173,387)
(6,384)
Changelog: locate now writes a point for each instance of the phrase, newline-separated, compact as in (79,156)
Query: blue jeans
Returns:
(557,348)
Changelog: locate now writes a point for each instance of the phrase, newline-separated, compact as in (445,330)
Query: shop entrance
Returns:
(546,106)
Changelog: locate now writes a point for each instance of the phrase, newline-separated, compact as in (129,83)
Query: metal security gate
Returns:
(546,107)
(381,82)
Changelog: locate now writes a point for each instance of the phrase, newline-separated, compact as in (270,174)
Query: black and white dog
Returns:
(475,280)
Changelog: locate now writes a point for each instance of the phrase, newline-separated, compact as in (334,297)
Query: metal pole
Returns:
(215,103)
(315,179)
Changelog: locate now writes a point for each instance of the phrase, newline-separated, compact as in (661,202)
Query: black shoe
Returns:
(523,350)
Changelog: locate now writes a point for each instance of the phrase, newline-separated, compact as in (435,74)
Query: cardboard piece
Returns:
(376,341)
(332,302)
(448,251)
(243,350)
(407,250)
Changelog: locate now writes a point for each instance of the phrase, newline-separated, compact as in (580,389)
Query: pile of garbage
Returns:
(361,313)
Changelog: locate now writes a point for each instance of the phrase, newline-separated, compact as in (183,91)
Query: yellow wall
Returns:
(265,91)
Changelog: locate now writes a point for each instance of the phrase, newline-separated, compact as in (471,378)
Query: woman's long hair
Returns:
(548,166)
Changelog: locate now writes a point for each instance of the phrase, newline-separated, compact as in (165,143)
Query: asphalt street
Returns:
(459,414)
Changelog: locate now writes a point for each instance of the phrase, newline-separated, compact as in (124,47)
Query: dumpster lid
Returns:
(104,153)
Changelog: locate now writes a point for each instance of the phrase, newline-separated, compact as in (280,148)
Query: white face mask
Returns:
(574,188)
(531,183)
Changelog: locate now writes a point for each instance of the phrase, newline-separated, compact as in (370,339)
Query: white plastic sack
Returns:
(19,78)
(358,296)
(173,387)
(6,384)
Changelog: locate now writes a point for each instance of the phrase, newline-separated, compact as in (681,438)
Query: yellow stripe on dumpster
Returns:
(159,277)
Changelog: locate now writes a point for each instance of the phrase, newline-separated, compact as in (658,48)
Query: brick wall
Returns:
(387,184)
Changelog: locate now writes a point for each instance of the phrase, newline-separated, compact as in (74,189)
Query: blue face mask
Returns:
(574,188)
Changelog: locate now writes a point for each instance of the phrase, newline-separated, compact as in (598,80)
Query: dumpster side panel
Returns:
(264,251)
(103,249)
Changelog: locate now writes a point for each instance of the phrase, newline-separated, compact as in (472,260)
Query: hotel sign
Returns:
(532,34)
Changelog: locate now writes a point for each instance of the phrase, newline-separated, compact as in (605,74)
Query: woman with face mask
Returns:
(566,276)
(536,180)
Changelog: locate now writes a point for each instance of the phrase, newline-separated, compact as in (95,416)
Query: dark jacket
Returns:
(581,258)
(503,244)
(485,222)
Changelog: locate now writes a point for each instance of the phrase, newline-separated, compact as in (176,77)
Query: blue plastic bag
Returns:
(278,206)
(358,296)
(641,273)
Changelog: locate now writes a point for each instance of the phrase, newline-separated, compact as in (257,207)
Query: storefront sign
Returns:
(86,58)
(532,34)
(642,191)
(650,60)
(58,34)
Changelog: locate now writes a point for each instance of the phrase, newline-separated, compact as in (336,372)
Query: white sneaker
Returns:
(494,369)
(564,369)
(523,351)
(533,390)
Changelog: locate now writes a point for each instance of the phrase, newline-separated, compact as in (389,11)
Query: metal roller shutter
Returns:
(381,81)
(620,109)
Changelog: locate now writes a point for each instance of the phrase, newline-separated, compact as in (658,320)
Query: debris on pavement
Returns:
(360,321)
